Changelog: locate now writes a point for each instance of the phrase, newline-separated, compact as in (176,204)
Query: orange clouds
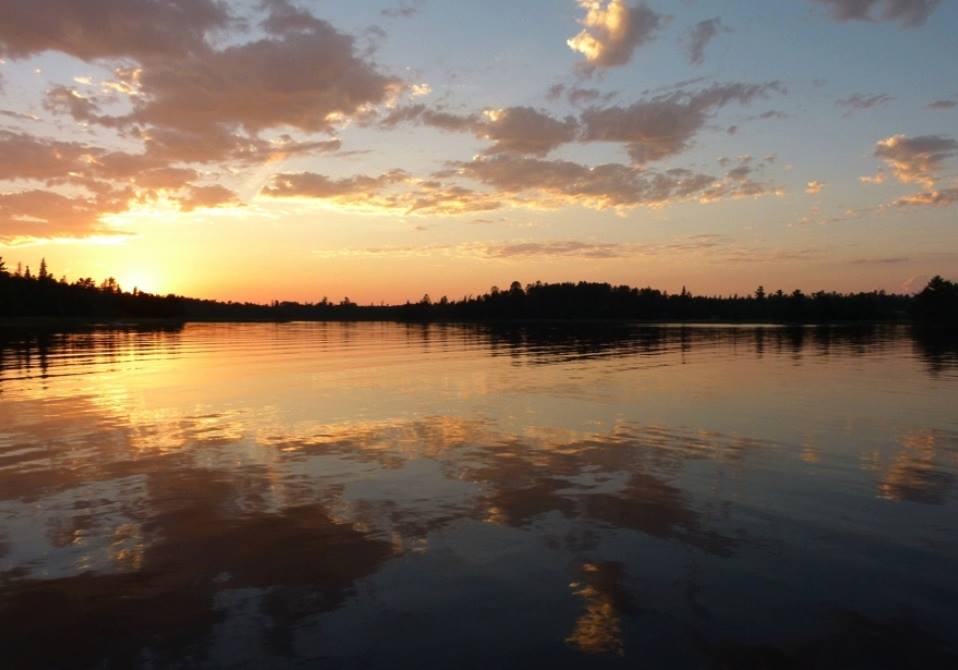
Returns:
(188,102)
(916,159)
(611,32)
(519,181)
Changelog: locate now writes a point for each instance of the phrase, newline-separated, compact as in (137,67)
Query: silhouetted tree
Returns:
(937,303)
(25,295)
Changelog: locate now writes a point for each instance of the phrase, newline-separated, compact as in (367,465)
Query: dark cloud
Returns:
(65,100)
(700,36)
(577,95)
(524,130)
(905,12)
(92,29)
(942,104)
(516,130)
(770,114)
(308,80)
(858,102)
(402,11)
(430,117)
(665,125)
(546,183)
(611,32)
(319,186)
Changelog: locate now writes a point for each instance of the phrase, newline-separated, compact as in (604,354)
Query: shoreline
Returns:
(55,323)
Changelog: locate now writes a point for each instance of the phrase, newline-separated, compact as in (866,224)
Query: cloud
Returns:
(877,178)
(560,248)
(513,130)
(193,102)
(906,12)
(814,187)
(389,192)
(939,198)
(612,31)
(19,116)
(524,130)
(207,196)
(107,29)
(308,80)
(65,100)
(859,102)
(770,114)
(430,117)
(402,11)
(665,125)
(713,248)
(916,159)
(166,178)
(221,145)
(577,95)
(517,181)
(942,104)
(700,36)
(320,186)
(192,88)
(551,183)
(888,260)
(28,157)
(41,214)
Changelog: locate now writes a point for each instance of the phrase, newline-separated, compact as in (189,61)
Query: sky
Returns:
(281,149)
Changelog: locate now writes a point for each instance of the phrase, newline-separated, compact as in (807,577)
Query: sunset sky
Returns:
(380,150)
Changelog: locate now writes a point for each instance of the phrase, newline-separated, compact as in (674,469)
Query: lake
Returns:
(387,495)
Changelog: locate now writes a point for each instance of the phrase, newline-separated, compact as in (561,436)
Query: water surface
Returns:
(386,495)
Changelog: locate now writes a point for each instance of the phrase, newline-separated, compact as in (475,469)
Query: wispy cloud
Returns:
(905,12)
(699,37)
(859,102)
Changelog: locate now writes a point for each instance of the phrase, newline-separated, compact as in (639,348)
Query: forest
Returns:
(24,293)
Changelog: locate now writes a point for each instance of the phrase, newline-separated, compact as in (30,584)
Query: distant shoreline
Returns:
(40,302)
(55,323)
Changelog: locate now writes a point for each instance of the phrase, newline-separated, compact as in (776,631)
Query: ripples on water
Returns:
(385,495)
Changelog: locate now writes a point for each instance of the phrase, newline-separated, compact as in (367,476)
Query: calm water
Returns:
(384,495)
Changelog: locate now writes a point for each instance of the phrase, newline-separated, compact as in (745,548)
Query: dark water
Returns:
(382,495)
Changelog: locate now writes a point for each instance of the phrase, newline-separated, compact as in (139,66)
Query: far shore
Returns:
(71,323)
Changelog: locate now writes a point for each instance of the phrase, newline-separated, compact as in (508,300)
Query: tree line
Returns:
(25,294)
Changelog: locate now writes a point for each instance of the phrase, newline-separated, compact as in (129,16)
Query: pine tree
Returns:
(43,274)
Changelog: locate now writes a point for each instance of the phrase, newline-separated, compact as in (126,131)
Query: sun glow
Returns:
(141,279)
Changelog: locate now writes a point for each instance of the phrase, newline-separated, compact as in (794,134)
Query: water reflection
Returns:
(386,494)
(599,629)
